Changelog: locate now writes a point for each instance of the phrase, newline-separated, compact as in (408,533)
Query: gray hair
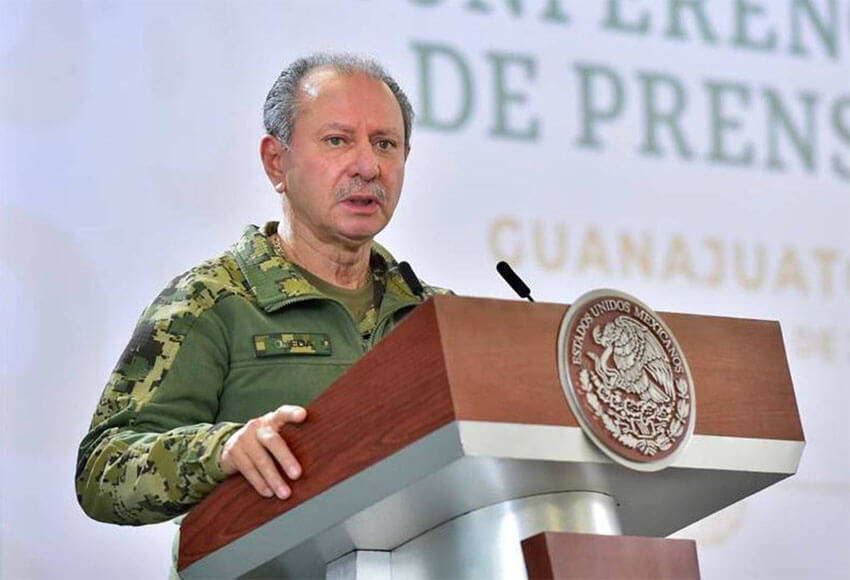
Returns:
(281,105)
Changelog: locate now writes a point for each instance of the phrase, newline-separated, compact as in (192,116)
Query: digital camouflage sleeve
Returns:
(152,450)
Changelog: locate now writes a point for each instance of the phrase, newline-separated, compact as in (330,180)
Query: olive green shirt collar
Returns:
(276,282)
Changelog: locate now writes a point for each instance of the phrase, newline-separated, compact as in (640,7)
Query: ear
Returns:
(273,156)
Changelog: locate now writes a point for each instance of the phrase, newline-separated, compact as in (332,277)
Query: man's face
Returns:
(345,165)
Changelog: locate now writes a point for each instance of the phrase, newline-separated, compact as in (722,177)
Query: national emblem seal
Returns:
(626,379)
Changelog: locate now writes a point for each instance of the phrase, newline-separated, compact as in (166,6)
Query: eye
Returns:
(334,141)
(385,144)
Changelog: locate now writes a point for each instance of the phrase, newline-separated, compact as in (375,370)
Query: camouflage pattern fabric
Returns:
(153,448)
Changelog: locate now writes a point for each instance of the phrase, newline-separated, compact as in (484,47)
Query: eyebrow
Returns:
(337,126)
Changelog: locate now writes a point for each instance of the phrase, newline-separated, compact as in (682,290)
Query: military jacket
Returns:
(227,341)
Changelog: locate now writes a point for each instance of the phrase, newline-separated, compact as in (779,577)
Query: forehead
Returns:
(326,95)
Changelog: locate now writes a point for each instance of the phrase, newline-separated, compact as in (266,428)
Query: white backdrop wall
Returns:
(695,154)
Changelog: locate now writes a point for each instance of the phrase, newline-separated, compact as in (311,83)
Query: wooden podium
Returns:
(452,441)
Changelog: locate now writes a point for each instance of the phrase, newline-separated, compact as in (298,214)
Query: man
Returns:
(236,347)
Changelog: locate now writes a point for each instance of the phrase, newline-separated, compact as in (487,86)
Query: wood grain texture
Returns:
(501,360)
(741,375)
(392,398)
(459,358)
(566,556)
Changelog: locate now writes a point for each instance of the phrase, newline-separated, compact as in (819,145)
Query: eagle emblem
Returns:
(626,379)
(640,364)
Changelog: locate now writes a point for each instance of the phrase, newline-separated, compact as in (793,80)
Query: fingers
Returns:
(274,443)
(257,449)
(261,462)
(246,467)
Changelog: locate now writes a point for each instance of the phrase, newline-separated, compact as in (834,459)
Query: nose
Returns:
(365,163)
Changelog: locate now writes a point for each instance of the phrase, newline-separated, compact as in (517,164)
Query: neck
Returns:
(343,266)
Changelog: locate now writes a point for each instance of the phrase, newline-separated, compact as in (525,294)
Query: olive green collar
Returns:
(275,281)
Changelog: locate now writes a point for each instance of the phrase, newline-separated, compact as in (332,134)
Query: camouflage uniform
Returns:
(227,341)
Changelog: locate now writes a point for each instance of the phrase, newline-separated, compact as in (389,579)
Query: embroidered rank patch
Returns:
(281,344)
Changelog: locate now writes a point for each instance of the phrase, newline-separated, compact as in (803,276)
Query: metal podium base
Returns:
(484,543)
(467,472)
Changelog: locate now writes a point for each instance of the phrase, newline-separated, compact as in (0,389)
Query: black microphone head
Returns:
(504,269)
(410,278)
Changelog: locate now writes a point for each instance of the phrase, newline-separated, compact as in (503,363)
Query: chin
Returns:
(358,238)
(360,234)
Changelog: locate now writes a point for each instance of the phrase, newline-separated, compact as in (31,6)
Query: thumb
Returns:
(288,414)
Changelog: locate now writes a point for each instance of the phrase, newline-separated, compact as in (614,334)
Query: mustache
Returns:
(359,184)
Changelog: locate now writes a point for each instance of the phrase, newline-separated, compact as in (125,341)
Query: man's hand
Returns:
(254,449)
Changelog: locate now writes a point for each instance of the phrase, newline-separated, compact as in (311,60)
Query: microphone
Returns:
(514,281)
(410,279)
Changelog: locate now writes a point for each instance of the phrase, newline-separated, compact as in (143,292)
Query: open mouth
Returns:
(362,202)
